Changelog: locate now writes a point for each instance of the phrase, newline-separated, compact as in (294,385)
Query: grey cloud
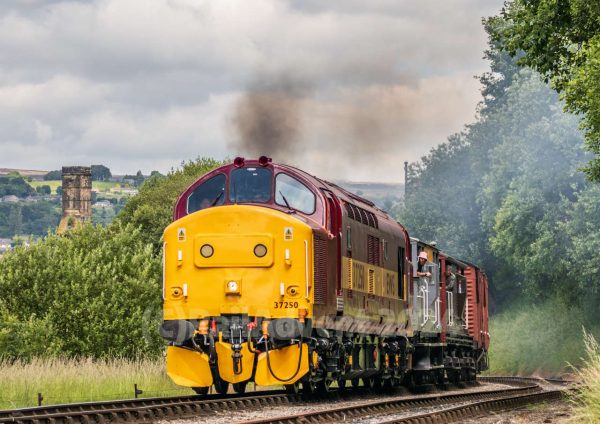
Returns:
(156,82)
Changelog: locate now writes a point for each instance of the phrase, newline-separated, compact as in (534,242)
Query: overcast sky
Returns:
(145,84)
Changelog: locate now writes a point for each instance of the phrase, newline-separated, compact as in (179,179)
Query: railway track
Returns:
(522,391)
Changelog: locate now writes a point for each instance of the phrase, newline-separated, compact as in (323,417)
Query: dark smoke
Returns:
(304,120)
(267,119)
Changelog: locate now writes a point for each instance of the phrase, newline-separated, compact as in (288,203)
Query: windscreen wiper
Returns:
(285,200)
(217,198)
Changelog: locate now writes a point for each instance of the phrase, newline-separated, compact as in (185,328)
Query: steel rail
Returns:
(389,406)
(474,409)
(149,409)
(136,409)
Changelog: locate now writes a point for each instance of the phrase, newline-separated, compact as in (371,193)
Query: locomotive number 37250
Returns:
(285,305)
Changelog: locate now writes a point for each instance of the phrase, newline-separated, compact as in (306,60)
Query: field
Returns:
(53,184)
(70,380)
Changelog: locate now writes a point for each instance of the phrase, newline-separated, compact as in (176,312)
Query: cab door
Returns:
(334,228)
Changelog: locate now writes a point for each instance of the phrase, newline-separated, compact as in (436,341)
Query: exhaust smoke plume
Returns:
(267,119)
(338,130)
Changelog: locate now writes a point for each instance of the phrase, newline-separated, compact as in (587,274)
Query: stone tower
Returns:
(76,197)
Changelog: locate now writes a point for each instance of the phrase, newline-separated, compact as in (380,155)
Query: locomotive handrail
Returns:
(466,315)
(437,312)
(163,269)
(306,267)
(450,296)
(425,309)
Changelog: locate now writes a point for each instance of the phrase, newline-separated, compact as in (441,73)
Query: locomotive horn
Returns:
(264,160)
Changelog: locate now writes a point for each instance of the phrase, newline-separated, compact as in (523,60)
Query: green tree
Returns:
(103,216)
(561,40)
(499,193)
(100,173)
(53,176)
(43,189)
(15,185)
(15,220)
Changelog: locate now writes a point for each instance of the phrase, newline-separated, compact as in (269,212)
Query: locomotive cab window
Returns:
(250,185)
(209,193)
(293,194)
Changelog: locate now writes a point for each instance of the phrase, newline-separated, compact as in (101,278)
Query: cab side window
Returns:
(290,192)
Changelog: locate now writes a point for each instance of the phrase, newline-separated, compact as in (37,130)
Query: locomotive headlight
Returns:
(260,250)
(207,250)
(232,287)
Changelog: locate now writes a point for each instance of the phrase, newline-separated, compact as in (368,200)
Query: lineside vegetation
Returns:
(586,401)
(63,380)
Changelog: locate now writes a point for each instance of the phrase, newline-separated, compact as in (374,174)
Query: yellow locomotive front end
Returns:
(237,297)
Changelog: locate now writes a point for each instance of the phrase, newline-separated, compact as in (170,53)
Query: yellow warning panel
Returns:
(225,362)
(188,368)
(284,363)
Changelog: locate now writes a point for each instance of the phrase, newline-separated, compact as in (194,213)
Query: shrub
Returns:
(94,292)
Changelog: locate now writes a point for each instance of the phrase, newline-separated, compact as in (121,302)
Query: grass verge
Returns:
(586,401)
(82,380)
(538,339)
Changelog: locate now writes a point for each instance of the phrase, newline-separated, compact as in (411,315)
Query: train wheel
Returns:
(240,387)
(369,383)
(309,387)
(323,386)
(355,383)
(439,377)
(342,383)
(292,389)
(201,390)
(221,386)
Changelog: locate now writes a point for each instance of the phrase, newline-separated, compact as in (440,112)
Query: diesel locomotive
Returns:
(275,276)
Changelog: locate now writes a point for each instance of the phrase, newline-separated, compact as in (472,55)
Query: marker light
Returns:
(264,160)
(238,162)
(207,250)
(260,250)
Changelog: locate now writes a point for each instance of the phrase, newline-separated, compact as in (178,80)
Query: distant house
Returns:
(103,204)
(127,191)
(11,198)
(5,245)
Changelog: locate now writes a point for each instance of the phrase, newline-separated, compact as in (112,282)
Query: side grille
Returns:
(373,256)
(320,263)
(350,282)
